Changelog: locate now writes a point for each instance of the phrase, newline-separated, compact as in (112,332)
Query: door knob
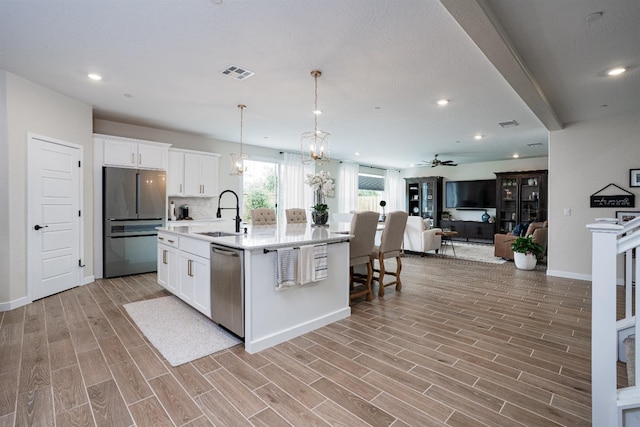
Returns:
(38,227)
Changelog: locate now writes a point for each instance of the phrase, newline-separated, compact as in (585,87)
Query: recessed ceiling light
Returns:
(515,156)
(477,137)
(317,112)
(356,153)
(94,76)
(616,71)
(443,102)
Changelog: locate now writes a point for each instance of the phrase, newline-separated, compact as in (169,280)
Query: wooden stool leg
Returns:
(398,282)
(381,276)
(369,280)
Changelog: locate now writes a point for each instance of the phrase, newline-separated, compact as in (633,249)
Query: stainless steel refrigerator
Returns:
(133,205)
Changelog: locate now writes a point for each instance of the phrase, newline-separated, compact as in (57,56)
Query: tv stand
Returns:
(471,231)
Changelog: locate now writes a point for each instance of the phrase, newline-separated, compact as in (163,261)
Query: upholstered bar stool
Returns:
(263,216)
(390,247)
(296,216)
(363,228)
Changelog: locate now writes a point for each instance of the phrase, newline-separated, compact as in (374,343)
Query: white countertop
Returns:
(263,237)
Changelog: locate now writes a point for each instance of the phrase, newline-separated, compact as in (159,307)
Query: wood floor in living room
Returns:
(463,344)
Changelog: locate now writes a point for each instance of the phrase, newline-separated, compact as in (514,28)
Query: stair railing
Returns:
(609,243)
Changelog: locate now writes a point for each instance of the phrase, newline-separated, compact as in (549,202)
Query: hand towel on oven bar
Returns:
(321,270)
(306,265)
(286,262)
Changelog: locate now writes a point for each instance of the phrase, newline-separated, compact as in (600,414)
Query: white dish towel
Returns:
(286,263)
(306,265)
(321,269)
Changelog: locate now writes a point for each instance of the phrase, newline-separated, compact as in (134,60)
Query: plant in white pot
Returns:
(526,252)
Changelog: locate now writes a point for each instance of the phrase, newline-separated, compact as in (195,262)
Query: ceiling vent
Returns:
(237,72)
(535,144)
(509,124)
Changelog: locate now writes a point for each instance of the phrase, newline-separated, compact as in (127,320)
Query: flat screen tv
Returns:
(471,194)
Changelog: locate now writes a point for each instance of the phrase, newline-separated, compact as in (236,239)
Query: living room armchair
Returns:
(502,242)
(418,237)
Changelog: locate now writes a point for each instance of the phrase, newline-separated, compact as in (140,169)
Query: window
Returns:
(370,191)
(259,186)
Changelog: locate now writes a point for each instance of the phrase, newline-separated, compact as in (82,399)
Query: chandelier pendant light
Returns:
(237,159)
(315,144)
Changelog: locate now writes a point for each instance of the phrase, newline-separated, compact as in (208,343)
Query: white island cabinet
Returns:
(271,315)
(168,262)
(183,269)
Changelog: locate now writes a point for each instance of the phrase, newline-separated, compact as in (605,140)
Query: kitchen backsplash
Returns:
(199,207)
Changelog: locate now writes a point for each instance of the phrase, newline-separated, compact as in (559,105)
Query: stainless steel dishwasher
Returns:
(227,288)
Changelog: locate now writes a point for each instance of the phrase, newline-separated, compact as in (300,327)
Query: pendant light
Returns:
(237,159)
(315,144)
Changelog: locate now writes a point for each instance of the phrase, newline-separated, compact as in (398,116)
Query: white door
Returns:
(54,193)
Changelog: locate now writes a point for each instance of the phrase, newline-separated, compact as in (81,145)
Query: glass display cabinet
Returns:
(424,198)
(521,197)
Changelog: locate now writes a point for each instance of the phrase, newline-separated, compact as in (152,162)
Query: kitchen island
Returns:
(270,315)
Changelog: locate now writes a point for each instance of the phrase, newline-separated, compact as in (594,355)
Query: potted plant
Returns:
(321,184)
(526,252)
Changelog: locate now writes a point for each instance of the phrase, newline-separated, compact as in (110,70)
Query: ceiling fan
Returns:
(437,162)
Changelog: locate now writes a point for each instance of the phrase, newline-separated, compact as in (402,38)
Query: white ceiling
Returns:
(384,65)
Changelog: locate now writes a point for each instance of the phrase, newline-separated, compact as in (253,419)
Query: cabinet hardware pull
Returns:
(189,273)
(140,158)
(133,158)
(170,241)
(164,256)
(180,188)
(160,238)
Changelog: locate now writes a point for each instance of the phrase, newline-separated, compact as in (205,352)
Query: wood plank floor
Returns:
(463,344)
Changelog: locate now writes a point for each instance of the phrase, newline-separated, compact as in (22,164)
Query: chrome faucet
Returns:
(219,214)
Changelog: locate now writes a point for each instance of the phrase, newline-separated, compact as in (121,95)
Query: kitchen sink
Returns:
(218,233)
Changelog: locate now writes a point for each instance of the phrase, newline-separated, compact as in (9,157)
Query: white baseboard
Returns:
(256,345)
(569,275)
(88,279)
(7,306)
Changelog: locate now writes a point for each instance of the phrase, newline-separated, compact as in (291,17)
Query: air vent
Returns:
(237,72)
(535,144)
(509,124)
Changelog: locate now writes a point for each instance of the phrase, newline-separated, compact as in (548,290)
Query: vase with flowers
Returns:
(321,184)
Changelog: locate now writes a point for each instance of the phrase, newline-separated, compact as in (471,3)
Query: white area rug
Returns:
(179,332)
(472,252)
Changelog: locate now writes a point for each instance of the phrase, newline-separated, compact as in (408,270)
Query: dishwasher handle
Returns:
(225,252)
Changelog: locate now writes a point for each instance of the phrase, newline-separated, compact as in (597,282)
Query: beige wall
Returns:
(33,108)
(585,157)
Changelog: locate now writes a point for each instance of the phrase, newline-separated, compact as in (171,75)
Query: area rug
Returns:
(179,332)
(472,252)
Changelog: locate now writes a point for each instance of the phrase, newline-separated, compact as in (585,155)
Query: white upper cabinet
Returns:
(131,153)
(175,173)
(192,173)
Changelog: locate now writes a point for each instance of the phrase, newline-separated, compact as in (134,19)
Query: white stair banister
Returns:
(604,354)
(612,242)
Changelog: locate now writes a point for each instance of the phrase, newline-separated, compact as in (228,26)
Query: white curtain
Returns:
(294,193)
(394,191)
(348,187)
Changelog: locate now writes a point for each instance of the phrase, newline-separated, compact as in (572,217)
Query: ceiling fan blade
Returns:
(445,162)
